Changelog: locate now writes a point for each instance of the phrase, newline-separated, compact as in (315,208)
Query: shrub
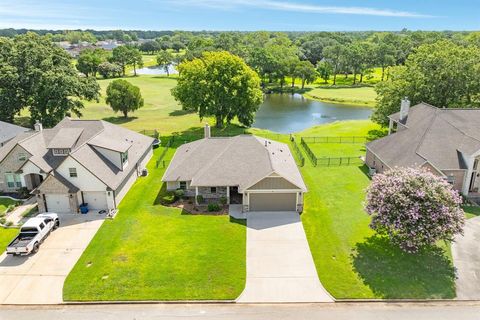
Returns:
(223,200)
(3,220)
(414,208)
(200,199)
(213,207)
(10,208)
(179,193)
(168,198)
(23,192)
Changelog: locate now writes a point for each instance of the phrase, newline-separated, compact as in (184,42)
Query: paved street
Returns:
(38,278)
(325,311)
(466,257)
(280,266)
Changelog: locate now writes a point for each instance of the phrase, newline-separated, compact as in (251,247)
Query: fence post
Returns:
(340,161)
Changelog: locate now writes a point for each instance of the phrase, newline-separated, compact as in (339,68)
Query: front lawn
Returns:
(5,203)
(6,236)
(152,252)
(351,261)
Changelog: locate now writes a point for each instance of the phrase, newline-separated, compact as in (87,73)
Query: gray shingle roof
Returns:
(9,131)
(83,131)
(242,160)
(437,136)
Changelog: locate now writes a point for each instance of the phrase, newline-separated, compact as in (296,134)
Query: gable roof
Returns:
(242,160)
(76,135)
(433,135)
(9,131)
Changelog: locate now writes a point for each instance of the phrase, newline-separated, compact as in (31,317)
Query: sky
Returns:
(243,15)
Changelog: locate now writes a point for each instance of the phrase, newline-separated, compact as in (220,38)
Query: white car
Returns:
(33,233)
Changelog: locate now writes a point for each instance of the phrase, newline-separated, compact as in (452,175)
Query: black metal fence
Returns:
(298,154)
(164,152)
(151,133)
(351,139)
(339,161)
(309,152)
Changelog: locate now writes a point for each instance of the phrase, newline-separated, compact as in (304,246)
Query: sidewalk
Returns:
(16,215)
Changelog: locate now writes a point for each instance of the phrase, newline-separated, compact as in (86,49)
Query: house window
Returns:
(13,181)
(61,152)
(183,185)
(22,157)
(213,190)
(124,156)
(73,172)
(451,179)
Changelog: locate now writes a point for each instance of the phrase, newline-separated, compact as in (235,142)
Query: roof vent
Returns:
(266,145)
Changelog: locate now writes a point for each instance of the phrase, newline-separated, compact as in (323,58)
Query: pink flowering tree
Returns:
(414,208)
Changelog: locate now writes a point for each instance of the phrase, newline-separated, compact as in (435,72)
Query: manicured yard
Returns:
(351,261)
(337,149)
(6,235)
(361,96)
(152,252)
(5,203)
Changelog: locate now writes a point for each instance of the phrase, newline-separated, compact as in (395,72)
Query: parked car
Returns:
(33,233)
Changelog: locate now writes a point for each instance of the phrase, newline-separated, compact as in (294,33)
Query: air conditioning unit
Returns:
(144,172)
(372,171)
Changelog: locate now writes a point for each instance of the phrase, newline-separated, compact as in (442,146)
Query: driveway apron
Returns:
(280,266)
(466,257)
(38,278)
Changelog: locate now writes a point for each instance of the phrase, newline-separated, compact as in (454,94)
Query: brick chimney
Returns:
(404,109)
(207,131)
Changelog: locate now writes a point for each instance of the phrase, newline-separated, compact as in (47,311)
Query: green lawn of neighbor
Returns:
(5,203)
(6,236)
(337,149)
(351,261)
(471,211)
(359,96)
(152,252)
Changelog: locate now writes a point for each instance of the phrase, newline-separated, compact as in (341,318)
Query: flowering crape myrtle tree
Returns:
(414,208)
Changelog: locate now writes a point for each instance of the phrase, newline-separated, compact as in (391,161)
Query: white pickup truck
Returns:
(33,233)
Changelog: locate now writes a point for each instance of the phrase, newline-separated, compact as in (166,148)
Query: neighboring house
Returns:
(446,141)
(77,161)
(256,172)
(8,131)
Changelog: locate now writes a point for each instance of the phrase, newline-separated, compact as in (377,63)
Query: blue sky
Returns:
(287,15)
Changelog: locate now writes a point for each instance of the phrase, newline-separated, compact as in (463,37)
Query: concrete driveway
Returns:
(38,278)
(466,257)
(280,266)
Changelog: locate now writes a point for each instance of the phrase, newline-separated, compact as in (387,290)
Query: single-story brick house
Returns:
(77,161)
(258,173)
(446,141)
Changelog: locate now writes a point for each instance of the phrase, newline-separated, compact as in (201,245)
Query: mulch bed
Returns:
(190,207)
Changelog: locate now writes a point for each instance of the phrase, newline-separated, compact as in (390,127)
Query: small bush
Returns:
(10,208)
(213,207)
(223,200)
(180,193)
(200,199)
(9,223)
(3,220)
(168,198)
(23,193)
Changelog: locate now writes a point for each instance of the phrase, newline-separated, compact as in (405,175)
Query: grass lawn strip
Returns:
(152,252)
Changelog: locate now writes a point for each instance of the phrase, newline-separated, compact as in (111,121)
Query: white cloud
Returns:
(297,7)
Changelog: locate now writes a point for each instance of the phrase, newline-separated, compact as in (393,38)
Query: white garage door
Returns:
(95,200)
(57,203)
(273,201)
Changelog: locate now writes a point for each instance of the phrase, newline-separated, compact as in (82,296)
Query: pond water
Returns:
(287,113)
(156,70)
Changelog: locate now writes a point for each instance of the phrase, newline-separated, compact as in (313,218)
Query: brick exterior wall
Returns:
(459,178)
(11,164)
(372,161)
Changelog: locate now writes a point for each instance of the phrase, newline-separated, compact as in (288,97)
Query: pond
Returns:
(156,70)
(287,113)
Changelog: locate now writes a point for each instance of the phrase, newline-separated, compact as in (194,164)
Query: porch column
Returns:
(196,194)
(390,126)
(228,195)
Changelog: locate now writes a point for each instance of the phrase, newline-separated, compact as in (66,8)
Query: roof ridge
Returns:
(458,129)
(211,162)
(201,141)
(268,152)
(422,139)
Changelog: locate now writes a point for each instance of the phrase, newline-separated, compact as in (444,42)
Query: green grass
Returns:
(152,252)
(351,261)
(5,203)
(357,96)
(471,211)
(6,235)
(337,149)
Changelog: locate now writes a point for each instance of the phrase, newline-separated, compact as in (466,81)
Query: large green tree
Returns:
(89,60)
(220,85)
(165,60)
(127,55)
(443,74)
(124,97)
(38,75)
